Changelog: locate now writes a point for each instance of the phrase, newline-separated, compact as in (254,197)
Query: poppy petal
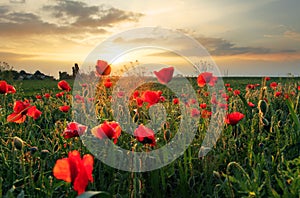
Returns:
(61,170)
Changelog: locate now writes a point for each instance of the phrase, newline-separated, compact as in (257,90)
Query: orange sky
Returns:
(243,38)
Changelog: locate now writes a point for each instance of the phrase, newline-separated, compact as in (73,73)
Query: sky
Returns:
(258,37)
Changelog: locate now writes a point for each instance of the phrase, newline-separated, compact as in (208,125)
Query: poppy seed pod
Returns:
(18,143)
(44,154)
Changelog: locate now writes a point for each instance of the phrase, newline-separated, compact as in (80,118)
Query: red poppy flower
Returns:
(11,89)
(277,94)
(47,95)
(76,170)
(175,101)
(267,78)
(102,68)
(227,85)
(79,98)
(298,88)
(136,94)
(205,114)
(3,87)
(234,118)
(64,85)
(214,100)
(21,109)
(229,89)
(34,112)
(74,130)
(38,97)
(6,88)
(206,78)
(203,106)
(195,112)
(273,85)
(111,130)
(236,92)
(139,102)
(120,94)
(286,96)
(250,86)
(151,97)
(60,94)
(64,109)
(250,104)
(164,75)
(223,106)
(145,135)
(107,83)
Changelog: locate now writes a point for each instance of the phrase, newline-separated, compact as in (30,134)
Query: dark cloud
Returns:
(219,46)
(91,16)
(74,17)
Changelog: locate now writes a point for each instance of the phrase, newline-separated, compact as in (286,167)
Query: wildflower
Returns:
(250,86)
(21,109)
(139,102)
(64,109)
(38,97)
(250,104)
(206,114)
(3,87)
(195,112)
(273,85)
(145,135)
(11,89)
(151,97)
(64,85)
(164,75)
(75,169)
(74,130)
(107,83)
(267,78)
(102,68)
(47,95)
(206,78)
(203,106)
(234,118)
(277,94)
(175,101)
(236,92)
(6,88)
(111,130)
(136,94)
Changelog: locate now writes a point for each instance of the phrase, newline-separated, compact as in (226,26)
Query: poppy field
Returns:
(256,154)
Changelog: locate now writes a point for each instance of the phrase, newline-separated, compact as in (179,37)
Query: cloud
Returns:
(14,56)
(90,16)
(221,47)
(64,17)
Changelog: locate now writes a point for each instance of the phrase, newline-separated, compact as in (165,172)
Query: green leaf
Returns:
(249,110)
(21,194)
(293,113)
(89,194)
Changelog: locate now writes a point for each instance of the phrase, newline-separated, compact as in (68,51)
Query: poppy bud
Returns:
(33,150)
(18,143)
(44,154)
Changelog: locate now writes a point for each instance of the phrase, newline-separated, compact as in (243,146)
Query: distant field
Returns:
(34,87)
